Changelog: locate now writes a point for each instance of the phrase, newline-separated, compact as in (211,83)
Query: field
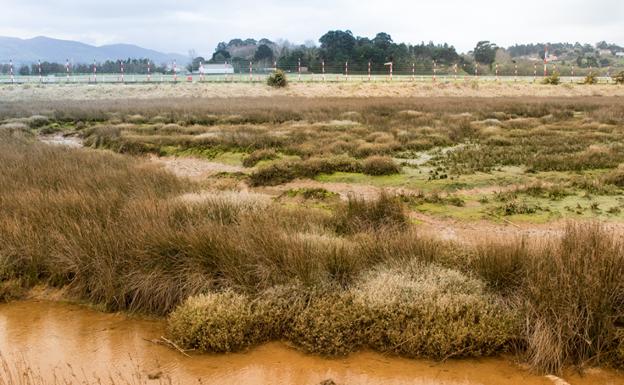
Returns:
(453,225)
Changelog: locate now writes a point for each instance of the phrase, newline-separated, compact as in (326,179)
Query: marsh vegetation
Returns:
(231,267)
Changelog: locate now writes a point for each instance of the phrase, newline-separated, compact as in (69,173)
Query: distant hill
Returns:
(54,50)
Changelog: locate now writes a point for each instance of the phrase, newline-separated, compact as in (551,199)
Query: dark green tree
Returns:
(485,52)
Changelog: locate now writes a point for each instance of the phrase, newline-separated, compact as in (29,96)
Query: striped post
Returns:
(67,69)
(516,72)
(497,79)
(175,72)
(250,71)
(391,69)
(476,69)
(299,69)
(149,72)
(347,70)
(455,70)
(11,71)
(323,68)
(39,67)
(94,72)
(201,71)
(534,72)
(572,80)
(413,70)
(122,71)
(369,71)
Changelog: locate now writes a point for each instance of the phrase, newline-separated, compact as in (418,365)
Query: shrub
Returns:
(258,155)
(358,214)
(277,79)
(214,322)
(329,324)
(553,79)
(380,165)
(425,310)
(619,78)
(11,290)
(591,78)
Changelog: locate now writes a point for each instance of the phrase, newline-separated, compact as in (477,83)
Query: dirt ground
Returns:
(458,88)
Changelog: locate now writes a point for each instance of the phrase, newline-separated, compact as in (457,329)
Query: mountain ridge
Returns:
(27,51)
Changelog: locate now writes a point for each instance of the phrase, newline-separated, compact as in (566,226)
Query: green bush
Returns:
(619,78)
(285,171)
(380,165)
(277,79)
(591,78)
(553,79)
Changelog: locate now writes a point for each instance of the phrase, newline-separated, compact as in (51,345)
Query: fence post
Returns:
(11,71)
(323,68)
(413,70)
(497,79)
(39,66)
(175,72)
(250,71)
(435,70)
(201,71)
(516,72)
(476,69)
(534,72)
(455,69)
(347,70)
(572,80)
(149,72)
(299,69)
(94,72)
(67,69)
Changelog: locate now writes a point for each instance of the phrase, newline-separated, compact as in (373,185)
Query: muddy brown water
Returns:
(50,335)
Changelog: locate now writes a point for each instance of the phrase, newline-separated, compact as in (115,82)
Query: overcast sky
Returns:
(180,25)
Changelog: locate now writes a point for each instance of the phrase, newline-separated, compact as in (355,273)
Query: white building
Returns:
(216,69)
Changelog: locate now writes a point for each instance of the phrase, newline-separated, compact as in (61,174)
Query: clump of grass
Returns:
(285,171)
(615,178)
(553,79)
(277,79)
(317,193)
(574,295)
(361,215)
(591,78)
(265,154)
(425,310)
(380,165)
(214,322)
(11,290)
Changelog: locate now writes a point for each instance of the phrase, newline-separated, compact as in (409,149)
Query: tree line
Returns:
(134,66)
